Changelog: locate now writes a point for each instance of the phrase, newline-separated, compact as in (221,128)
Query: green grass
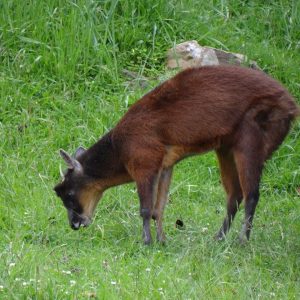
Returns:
(61,86)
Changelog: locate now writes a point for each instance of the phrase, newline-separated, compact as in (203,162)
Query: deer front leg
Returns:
(147,190)
(161,201)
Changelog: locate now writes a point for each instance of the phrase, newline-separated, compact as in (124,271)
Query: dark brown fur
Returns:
(240,113)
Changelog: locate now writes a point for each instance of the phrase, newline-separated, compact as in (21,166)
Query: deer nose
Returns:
(75,225)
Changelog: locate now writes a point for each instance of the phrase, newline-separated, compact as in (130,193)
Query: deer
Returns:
(240,113)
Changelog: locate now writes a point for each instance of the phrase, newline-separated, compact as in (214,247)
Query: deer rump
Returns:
(240,113)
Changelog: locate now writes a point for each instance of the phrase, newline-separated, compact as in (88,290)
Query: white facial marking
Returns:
(76,225)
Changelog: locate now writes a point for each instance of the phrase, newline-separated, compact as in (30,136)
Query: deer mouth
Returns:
(80,223)
(76,220)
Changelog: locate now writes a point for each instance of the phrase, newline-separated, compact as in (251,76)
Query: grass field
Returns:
(61,86)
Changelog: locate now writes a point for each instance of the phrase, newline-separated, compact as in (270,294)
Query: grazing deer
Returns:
(242,114)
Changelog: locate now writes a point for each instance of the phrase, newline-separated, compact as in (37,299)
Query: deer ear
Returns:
(70,161)
(80,150)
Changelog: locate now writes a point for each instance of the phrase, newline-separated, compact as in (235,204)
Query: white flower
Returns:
(12,264)
(1,287)
(148,270)
(66,272)
(72,282)
(25,283)
(113,282)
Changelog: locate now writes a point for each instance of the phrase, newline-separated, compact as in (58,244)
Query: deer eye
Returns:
(71,193)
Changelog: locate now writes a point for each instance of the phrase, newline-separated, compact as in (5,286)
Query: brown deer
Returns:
(242,114)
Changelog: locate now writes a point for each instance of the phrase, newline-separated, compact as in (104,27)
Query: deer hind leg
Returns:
(259,136)
(249,157)
(249,171)
(230,180)
(161,201)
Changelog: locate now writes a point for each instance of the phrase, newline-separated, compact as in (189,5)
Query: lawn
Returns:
(62,85)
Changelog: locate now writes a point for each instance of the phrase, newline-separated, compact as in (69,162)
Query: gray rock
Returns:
(191,54)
